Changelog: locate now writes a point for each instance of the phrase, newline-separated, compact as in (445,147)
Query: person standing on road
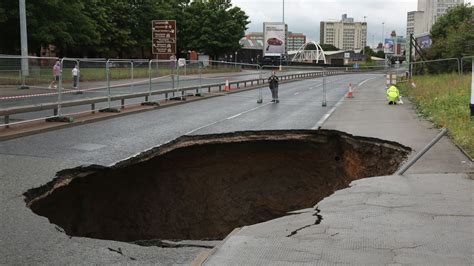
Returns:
(75,76)
(393,95)
(56,73)
(273,84)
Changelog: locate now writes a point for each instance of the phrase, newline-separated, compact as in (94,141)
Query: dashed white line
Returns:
(362,83)
(227,118)
(330,112)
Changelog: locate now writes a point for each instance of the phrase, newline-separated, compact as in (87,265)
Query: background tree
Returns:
(368,51)
(214,27)
(62,23)
(328,47)
(453,34)
(380,54)
(3,16)
(111,28)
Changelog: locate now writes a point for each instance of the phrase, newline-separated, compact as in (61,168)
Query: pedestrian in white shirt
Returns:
(75,76)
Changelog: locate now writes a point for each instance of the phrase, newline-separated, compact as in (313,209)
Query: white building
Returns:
(344,34)
(421,21)
(415,20)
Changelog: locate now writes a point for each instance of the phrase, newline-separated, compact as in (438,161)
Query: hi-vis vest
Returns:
(393,93)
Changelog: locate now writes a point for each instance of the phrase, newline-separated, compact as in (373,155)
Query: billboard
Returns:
(424,41)
(274,35)
(388,46)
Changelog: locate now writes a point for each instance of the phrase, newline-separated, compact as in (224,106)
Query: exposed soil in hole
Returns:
(202,187)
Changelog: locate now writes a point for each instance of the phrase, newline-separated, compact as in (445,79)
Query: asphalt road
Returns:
(32,161)
(120,87)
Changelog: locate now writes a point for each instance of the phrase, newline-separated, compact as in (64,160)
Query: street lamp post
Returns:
(283,19)
(383,31)
(283,11)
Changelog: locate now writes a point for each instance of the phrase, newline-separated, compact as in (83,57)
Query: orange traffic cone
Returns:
(226,87)
(349,94)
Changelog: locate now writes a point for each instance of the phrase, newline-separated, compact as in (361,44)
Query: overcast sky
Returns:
(304,15)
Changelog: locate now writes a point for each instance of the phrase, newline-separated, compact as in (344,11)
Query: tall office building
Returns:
(415,20)
(295,40)
(420,21)
(344,34)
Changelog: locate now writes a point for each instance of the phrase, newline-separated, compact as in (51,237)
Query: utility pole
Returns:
(24,43)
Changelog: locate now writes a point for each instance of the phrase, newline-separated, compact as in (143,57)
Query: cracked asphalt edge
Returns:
(319,218)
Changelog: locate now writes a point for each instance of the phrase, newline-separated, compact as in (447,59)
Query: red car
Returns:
(274,41)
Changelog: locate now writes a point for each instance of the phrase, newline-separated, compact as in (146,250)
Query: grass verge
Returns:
(444,100)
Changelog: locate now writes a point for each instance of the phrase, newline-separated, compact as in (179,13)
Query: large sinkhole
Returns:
(202,187)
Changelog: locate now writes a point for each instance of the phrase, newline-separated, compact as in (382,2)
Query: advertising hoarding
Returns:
(388,46)
(424,41)
(274,35)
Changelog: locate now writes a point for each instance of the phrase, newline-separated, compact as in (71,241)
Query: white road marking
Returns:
(227,118)
(328,114)
(362,83)
(296,93)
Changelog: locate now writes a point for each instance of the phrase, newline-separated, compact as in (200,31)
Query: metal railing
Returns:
(102,83)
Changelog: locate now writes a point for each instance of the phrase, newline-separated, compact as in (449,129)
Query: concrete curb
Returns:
(204,256)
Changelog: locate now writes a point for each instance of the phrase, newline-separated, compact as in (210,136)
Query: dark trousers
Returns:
(75,81)
(274,91)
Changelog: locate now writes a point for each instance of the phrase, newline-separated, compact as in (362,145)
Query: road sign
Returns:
(164,37)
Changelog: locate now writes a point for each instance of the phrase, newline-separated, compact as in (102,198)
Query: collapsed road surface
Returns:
(31,162)
(202,187)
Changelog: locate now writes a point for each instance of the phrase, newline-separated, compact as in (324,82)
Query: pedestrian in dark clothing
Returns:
(273,83)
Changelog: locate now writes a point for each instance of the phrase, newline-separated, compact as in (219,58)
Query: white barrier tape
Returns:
(75,91)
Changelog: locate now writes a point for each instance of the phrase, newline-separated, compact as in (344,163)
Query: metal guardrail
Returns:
(7,112)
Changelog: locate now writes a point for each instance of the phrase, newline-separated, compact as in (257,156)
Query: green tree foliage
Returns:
(329,47)
(214,27)
(3,16)
(59,22)
(109,28)
(9,27)
(453,34)
(369,52)
(310,47)
(380,54)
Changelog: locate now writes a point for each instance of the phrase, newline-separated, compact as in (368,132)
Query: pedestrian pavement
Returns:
(425,217)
